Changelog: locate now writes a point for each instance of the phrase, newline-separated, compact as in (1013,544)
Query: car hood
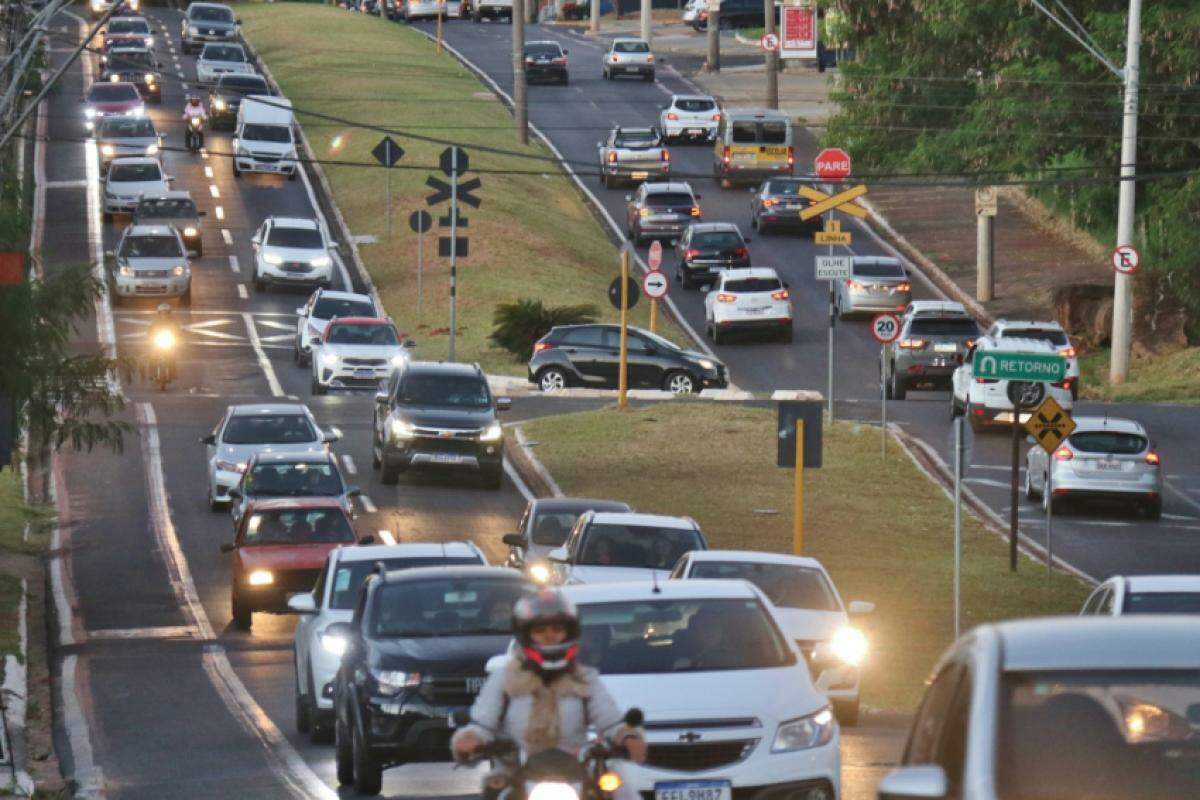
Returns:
(268,148)
(211,26)
(283,557)
(138,142)
(236,66)
(806,624)
(695,355)
(115,108)
(453,655)
(593,574)
(241,453)
(304,255)
(425,417)
(155,263)
(127,188)
(771,695)
(363,350)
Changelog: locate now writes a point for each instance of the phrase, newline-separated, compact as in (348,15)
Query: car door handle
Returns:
(569,349)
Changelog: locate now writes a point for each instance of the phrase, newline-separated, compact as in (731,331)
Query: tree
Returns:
(519,325)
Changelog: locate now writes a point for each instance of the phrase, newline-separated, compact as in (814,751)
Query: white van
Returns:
(263,140)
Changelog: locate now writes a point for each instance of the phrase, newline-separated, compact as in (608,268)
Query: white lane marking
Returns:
(518,481)
(241,290)
(367,505)
(263,361)
(208,171)
(79,183)
(1171,488)
(213,190)
(203,153)
(132,312)
(181,75)
(348,461)
(165,632)
(88,777)
(988,482)
(105,330)
(385,536)
(233,262)
(1179,517)
(227,236)
(58,583)
(183,86)
(219,212)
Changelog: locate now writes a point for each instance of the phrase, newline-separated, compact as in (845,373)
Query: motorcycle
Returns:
(195,134)
(162,361)
(551,774)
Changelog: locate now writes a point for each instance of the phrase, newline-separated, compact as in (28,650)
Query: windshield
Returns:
(786,586)
(151,247)
(299,526)
(1162,603)
(1120,735)
(669,200)
(876,269)
(550,528)
(350,575)
(753,285)
(446,607)
(266,133)
(663,636)
(1122,444)
(381,335)
(166,209)
(722,240)
(134,173)
(243,84)
(1057,338)
(299,238)
(543,49)
(645,546)
(112,93)
(222,52)
(631,47)
(127,127)
(268,429)
(432,389)
(210,14)
(636,138)
(946,326)
(118,26)
(695,105)
(293,480)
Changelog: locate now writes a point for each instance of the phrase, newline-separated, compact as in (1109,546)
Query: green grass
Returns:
(1171,378)
(882,529)
(533,235)
(14,515)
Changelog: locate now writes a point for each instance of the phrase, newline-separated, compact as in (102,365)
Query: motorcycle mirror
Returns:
(459,717)
(634,717)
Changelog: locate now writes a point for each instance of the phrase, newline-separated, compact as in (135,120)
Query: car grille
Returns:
(296,266)
(698,756)
(451,690)
(150,289)
(152,273)
(266,158)
(364,362)
(447,434)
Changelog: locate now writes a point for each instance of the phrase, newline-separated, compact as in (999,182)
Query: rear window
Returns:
(1163,603)
(543,49)
(759,132)
(1110,442)
(669,199)
(723,239)
(943,327)
(631,47)
(637,138)
(1057,338)
(774,132)
(745,132)
(302,238)
(791,188)
(330,307)
(112,93)
(878,270)
(753,285)
(695,105)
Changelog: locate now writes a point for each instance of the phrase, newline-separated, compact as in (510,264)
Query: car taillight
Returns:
(741,252)
(1152,458)
(791,156)
(724,297)
(650,58)
(904,287)
(1068,353)
(985,380)
(612,157)
(1063,454)
(912,344)
(969,343)
(854,285)
(690,253)
(716,117)
(695,211)
(644,212)
(1065,383)
(782,294)
(725,155)
(769,201)
(561,60)
(540,346)
(673,117)
(666,154)
(528,60)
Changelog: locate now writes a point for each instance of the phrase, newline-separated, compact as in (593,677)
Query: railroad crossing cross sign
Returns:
(1049,425)
(836,201)
(816,195)
(833,234)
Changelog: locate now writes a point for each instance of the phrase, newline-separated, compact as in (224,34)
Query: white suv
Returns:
(985,400)
(291,251)
(356,352)
(317,656)
(1050,332)
(690,116)
(610,546)
(1144,594)
(748,299)
(325,304)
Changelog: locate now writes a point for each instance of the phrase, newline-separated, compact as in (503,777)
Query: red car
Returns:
(111,100)
(279,549)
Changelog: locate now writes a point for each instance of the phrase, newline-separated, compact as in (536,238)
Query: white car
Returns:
(1047,331)
(606,546)
(1104,458)
(807,607)
(628,56)
(729,708)
(128,179)
(1145,594)
(317,655)
(753,298)
(150,261)
(222,59)
(257,428)
(690,116)
(356,353)
(985,401)
(291,251)
(1096,708)
(322,306)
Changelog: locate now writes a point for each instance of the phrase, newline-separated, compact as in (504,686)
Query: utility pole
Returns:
(772,57)
(594,16)
(646,15)
(1122,330)
(713,63)
(520,98)
(454,173)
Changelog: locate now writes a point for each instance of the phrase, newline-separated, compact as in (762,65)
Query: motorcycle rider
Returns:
(164,322)
(194,109)
(544,698)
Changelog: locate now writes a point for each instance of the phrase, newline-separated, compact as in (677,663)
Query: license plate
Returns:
(695,131)
(693,790)
(1108,466)
(474,685)
(637,175)
(945,348)
(758,310)
(364,373)
(446,458)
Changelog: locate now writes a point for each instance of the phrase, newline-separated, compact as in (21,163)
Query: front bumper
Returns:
(221,482)
(407,730)
(274,166)
(152,287)
(458,454)
(301,275)
(272,599)
(855,302)
(204,38)
(345,376)
(120,204)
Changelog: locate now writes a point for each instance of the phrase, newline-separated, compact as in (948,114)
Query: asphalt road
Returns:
(577,116)
(160,696)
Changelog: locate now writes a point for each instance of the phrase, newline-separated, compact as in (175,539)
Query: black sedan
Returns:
(226,97)
(417,649)
(777,205)
(590,355)
(545,61)
(705,249)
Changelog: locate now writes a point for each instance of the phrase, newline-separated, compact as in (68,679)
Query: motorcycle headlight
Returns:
(321,261)
(390,682)
(178,271)
(90,113)
(402,429)
(260,577)
(333,643)
(492,433)
(190,232)
(230,466)
(609,782)
(220,105)
(553,791)
(125,271)
(849,645)
(799,734)
(272,259)
(164,340)
(149,77)
(108,150)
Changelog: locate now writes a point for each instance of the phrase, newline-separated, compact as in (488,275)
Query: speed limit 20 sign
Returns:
(885,328)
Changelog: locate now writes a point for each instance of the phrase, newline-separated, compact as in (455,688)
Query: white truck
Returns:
(263,140)
(490,9)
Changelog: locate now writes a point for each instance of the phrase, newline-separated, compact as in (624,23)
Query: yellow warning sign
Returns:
(833,234)
(1049,425)
(841,200)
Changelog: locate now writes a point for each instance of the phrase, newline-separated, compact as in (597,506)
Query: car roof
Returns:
(97,84)
(463,571)
(749,272)
(705,588)
(630,39)
(755,557)
(207,5)
(444,367)
(1002,324)
(635,129)
(336,295)
(667,186)
(285,503)
(294,458)
(578,503)
(1117,424)
(258,409)
(1099,642)
(935,308)
(1150,584)
(132,159)
(637,519)
(380,552)
(675,97)
(130,48)
(709,227)
(1014,344)
(295,222)
(150,230)
(543,41)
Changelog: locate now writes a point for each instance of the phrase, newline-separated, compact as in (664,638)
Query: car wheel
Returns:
(368,776)
(185,299)
(343,751)
(107,215)
(955,409)
(376,463)
(975,420)
(242,616)
(717,336)
(685,279)
(297,359)
(552,379)
(318,388)
(303,718)
(318,732)
(237,173)
(649,76)
(1153,509)
(846,712)
(679,382)
(214,504)
(389,473)
(789,334)
(898,387)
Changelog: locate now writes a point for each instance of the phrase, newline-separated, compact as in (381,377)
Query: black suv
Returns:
(590,355)
(545,60)
(705,249)
(417,648)
(433,414)
(225,98)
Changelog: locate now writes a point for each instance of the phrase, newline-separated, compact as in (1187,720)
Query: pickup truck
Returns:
(633,155)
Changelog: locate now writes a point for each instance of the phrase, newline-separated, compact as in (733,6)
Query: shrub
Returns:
(517,326)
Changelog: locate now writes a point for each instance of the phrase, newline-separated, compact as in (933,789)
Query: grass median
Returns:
(882,528)
(532,237)
(1170,378)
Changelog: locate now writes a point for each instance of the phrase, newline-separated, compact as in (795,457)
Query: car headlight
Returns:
(333,643)
(149,41)
(230,466)
(151,149)
(260,577)
(190,232)
(706,364)
(402,429)
(97,5)
(799,734)
(178,271)
(399,359)
(114,78)
(329,358)
(540,572)
(321,261)
(90,113)
(553,790)
(125,271)
(390,681)
(272,259)
(492,433)
(149,77)
(193,30)
(243,152)
(849,645)
(108,150)
(220,105)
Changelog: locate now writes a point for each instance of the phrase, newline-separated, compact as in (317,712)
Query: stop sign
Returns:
(654,258)
(833,164)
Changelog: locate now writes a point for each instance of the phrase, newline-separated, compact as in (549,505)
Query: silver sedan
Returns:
(876,283)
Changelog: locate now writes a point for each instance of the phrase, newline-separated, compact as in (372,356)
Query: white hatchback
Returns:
(1144,594)
(754,298)
(690,116)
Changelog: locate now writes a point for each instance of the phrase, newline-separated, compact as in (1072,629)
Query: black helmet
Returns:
(539,608)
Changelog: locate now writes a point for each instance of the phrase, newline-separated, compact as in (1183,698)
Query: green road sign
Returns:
(1020,367)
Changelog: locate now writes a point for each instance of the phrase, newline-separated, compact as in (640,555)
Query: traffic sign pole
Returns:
(1016,471)
(885,328)
(959,422)
(653,314)
(832,323)
(772,63)
(454,161)
(798,506)
(882,408)
(1049,490)
(623,375)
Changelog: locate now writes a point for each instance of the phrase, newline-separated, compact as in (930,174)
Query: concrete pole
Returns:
(985,256)
(594,24)
(713,63)
(772,57)
(1122,330)
(646,14)
(520,98)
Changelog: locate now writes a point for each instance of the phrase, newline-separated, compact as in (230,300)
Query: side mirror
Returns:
(301,312)
(566,52)
(332,246)
(353,491)
(381,397)
(495,663)
(314,341)
(209,439)
(558,555)
(169,178)
(368,539)
(235,494)
(673,242)
(697,196)
(255,240)
(860,607)
(331,435)
(228,547)
(237,22)
(503,403)
(302,603)
(787,285)
(409,344)
(916,781)
(513,539)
